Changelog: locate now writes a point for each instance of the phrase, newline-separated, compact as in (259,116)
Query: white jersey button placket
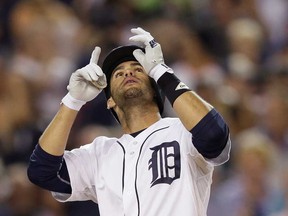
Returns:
(129,194)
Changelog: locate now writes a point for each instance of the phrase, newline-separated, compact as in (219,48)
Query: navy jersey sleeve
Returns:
(48,171)
(210,135)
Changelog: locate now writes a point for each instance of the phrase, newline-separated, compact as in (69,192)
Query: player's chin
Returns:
(133,92)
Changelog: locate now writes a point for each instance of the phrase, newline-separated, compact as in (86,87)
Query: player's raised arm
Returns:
(210,132)
(84,85)
(47,168)
(187,104)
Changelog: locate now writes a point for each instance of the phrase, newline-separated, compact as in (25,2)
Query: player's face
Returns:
(129,80)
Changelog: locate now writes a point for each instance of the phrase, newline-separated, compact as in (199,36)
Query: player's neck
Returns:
(136,121)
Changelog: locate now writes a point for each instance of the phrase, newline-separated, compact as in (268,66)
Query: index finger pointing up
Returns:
(95,55)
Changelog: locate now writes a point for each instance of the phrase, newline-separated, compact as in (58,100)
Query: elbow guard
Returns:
(48,171)
(210,135)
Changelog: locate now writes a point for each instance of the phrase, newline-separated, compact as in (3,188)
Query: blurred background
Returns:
(234,53)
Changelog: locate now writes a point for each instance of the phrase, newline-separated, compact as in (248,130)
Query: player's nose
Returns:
(129,72)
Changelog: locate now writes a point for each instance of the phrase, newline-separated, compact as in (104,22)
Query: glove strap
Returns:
(157,71)
(72,103)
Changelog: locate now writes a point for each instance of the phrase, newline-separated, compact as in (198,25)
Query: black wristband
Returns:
(172,86)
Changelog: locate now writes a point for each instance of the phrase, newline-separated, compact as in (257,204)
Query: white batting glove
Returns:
(85,83)
(152,60)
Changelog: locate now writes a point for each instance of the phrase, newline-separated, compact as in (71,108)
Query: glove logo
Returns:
(153,43)
(165,163)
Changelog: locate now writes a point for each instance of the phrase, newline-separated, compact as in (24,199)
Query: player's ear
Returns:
(110,103)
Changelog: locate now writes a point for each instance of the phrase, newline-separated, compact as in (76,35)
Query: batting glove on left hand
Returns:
(152,60)
(85,83)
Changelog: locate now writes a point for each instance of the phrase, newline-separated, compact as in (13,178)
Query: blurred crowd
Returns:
(234,53)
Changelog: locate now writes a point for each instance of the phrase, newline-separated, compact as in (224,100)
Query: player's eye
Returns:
(139,69)
(118,74)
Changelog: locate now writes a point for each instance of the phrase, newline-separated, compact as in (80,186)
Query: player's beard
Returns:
(131,97)
(132,93)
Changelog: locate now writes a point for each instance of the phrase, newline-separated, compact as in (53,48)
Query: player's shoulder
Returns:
(170,121)
(104,141)
(99,144)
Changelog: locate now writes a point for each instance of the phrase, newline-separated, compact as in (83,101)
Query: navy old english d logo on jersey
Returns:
(165,163)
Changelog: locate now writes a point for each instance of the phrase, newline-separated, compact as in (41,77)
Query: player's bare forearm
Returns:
(191,108)
(54,138)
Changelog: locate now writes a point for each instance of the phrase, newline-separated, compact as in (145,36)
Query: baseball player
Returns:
(159,166)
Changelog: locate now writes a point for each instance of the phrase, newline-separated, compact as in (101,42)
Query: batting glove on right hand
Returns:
(152,60)
(85,83)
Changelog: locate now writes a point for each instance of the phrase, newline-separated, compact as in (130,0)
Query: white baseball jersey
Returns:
(157,173)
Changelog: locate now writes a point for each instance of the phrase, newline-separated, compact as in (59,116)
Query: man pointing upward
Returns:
(159,166)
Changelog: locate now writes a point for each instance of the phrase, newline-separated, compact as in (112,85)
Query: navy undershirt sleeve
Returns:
(49,171)
(210,135)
